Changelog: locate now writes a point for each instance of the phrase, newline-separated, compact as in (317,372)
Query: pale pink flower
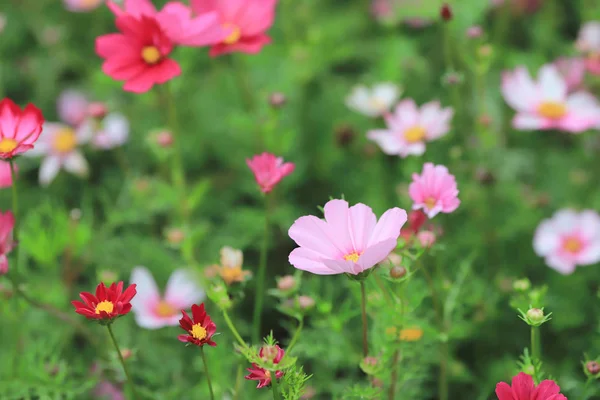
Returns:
(349,241)
(107,133)
(7,223)
(568,239)
(426,238)
(588,42)
(572,71)
(269,170)
(82,5)
(434,191)
(375,101)
(545,103)
(151,309)
(409,128)
(6,174)
(246,20)
(72,107)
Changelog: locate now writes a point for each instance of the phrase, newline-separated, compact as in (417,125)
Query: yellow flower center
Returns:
(411,334)
(414,134)
(268,374)
(230,275)
(7,145)
(552,109)
(164,309)
(151,55)
(198,332)
(430,202)
(105,306)
(354,256)
(234,36)
(65,140)
(572,245)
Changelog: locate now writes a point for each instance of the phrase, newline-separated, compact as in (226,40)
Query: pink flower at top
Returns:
(569,239)
(151,309)
(19,129)
(572,71)
(247,20)
(434,191)
(349,241)
(409,128)
(588,42)
(6,174)
(523,388)
(545,104)
(7,223)
(269,170)
(72,107)
(82,5)
(262,375)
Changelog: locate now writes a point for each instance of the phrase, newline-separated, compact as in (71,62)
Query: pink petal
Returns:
(388,226)
(337,215)
(376,253)
(307,260)
(314,234)
(361,221)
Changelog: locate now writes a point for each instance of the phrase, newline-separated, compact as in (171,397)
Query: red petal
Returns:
(101,292)
(198,312)
(129,293)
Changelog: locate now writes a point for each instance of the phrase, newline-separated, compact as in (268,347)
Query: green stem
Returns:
(443,378)
(584,395)
(296,335)
(274,386)
(15,211)
(384,290)
(363,307)
(243,83)
(535,343)
(129,380)
(238,381)
(397,352)
(233,330)
(210,389)
(260,278)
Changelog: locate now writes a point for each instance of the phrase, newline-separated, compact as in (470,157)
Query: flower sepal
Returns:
(534,316)
(360,276)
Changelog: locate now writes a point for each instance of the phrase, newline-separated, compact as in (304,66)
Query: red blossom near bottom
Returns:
(107,304)
(262,375)
(523,388)
(200,327)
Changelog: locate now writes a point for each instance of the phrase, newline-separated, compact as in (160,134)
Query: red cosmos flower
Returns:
(18,129)
(108,303)
(262,375)
(200,327)
(138,55)
(523,388)
(416,219)
(7,223)
(269,170)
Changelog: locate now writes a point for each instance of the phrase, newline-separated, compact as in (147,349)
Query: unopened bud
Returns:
(446,12)
(535,315)
(485,120)
(529,369)
(521,285)
(277,100)
(269,353)
(164,139)
(395,259)
(453,78)
(426,238)
(306,302)
(97,110)
(370,365)
(344,135)
(475,31)
(398,272)
(286,283)
(485,51)
(592,367)
(175,236)
(126,353)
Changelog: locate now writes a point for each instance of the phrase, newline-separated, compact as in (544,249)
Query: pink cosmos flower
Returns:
(6,174)
(523,388)
(151,309)
(545,104)
(247,21)
(108,132)
(72,107)
(269,170)
(82,5)
(569,239)
(588,42)
(434,191)
(572,71)
(19,130)
(7,223)
(262,375)
(409,128)
(349,240)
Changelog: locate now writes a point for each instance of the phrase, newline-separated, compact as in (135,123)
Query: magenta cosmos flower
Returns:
(349,241)
(7,223)
(434,191)
(269,170)
(262,375)
(523,388)
(247,20)
(546,104)
(569,239)
(18,129)
(409,128)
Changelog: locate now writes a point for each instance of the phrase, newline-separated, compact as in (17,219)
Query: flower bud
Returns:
(75,214)
(370,365)
(446,12)
(269,353)
(164,139)
(306,302)
(592,367)
(277,99)
(286,283)
(426,238)
(97,110)
(398,272)
(485,120)
(175,235)
(126,353)
(521,285)
(475,32)
(485,51)
(529,369)
(535,315)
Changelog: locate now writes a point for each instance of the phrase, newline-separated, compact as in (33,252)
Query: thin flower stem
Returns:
(233,330)
(238,381)
(397,353)
(535,343)
(274,386)
(15,211)
(131,385)
(260,278)
(210,389)
(384,290)
(364,318)
(296,335)
(584,394)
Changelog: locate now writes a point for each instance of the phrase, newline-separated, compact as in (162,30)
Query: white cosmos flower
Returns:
(373,102)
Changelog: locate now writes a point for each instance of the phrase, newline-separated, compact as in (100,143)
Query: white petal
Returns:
(552,85)
(182,290)
(528,122)
(76,164)
(117,127)
(147,292)
(49,169)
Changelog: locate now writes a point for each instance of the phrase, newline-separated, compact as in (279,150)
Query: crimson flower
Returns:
(200,327)
(108,303)
(416,219)
(262,375)
(19,129)
(523,388)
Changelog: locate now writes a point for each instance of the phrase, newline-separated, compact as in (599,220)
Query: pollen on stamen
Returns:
(7,145)
(552,110)
(354,256)
(105,306)
(198,332)
(151,55)
(414,134)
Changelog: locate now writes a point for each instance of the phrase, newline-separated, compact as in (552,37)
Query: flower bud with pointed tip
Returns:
(521,285)
(592,367)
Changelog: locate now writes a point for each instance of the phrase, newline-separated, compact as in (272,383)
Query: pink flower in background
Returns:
(426,238)
(7,223)
(373,102)
(545,104)
(572,71)
(6,174)
(246,20)
(269,170)
(588,42)
(151,309)
(108,132)
(569,239)
(176,21)
(19,129)
(523,388)
(434,191)
(409,128)
(138,55)
(82,5)
(350,240)
(72,106)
